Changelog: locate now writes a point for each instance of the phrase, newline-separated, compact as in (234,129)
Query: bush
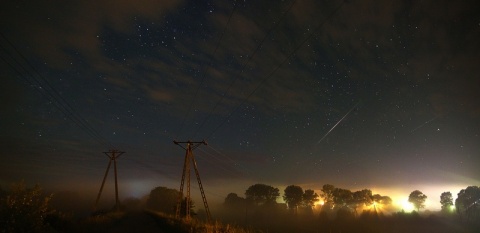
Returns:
(23,209)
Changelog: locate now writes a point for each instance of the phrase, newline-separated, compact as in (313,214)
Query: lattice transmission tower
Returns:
(190,146)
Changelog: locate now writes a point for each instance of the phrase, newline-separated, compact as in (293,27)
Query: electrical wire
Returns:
(222,97)
(270,75)
(48,91)
(204,75)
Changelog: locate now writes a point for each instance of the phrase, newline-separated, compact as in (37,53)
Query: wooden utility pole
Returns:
(186,174)
(113,156)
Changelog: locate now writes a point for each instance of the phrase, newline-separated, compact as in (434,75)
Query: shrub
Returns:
(24,209)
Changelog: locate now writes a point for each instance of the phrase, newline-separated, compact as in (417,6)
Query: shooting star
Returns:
(337,123)
(426,122)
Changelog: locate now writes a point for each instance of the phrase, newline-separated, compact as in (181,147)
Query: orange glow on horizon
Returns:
(321,202)
(399,195)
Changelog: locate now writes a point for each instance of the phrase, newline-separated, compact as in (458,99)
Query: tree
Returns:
(417,198)
(165,200)
(261,194)
(360,198)
(385,200)
(382,200)
(342,197)
(24,209)
(446,200)
(234,201)
(293,196)
(309,199)
(327,195)
(468,202)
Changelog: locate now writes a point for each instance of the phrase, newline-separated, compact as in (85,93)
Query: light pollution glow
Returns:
(400,196)
(217,192)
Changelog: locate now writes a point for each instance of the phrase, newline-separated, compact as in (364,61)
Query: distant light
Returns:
(407,206)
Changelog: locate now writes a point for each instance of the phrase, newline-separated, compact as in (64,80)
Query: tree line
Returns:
(29,209)
(467,204)
(330,199)
(333,198)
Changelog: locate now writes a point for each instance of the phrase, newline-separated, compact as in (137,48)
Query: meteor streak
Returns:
(337,123)
(426,122)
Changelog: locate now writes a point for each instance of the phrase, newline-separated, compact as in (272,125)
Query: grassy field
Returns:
(152,221)
(140,221)
(195,226)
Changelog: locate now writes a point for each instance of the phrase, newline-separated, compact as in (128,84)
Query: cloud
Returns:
(62,34)
(160,94)
(57,30)
(390,43)
(427,46)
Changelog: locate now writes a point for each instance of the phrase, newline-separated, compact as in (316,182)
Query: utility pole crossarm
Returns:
(190,142)
(114,152)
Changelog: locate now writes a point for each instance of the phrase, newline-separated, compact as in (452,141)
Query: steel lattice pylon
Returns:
(113,156)
(186,174)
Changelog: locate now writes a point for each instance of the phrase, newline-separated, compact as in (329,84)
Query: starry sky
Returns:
(359,94)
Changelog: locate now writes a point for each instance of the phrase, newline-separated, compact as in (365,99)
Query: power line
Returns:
(244,66)
(227,157)
(206,69)
(154,168)
(270,75)
(221,164)
(39,87)
(47,90)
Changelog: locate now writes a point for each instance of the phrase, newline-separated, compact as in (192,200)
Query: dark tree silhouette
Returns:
(234,201)
(342,197)
(360,198)
(293,196)
(417,198)
(383,200)
(165,200)
(261,194)
(468,202)
(380,201)
(309,199)
(327,195)
(446,200)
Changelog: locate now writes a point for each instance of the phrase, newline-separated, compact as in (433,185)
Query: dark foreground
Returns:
(146,221)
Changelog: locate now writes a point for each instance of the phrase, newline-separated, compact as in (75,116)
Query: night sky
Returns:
(359,94)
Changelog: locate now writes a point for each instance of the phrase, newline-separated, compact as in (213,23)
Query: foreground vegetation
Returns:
(345,221)
(171,224)
(25,209)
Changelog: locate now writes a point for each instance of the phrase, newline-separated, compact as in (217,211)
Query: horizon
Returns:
(216,197)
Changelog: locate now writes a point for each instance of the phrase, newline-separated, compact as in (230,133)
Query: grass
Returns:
(196,226)
(140,221)
(97,223)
